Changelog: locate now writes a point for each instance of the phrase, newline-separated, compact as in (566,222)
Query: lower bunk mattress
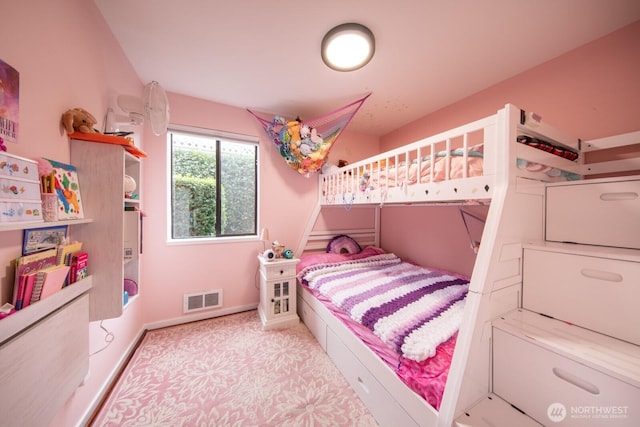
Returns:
(408,315)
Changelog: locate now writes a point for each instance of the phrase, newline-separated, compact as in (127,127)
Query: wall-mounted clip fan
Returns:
(152,108)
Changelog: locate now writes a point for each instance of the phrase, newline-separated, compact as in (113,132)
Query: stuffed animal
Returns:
(293,129)
(78,119)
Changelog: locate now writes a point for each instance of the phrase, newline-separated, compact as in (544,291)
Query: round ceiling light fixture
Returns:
(348,47)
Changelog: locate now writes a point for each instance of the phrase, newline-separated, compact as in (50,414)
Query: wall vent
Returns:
(202,301)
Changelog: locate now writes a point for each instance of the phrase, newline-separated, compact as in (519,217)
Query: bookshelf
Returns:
(113,238)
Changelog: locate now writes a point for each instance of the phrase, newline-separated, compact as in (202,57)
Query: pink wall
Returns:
(590,92)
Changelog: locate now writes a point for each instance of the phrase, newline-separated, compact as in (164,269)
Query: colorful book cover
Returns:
(79,267)
(28,290)
(31,263)
(9,102)
(66,186)
(19,293)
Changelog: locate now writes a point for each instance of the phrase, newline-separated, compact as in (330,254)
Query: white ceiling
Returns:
(265,54)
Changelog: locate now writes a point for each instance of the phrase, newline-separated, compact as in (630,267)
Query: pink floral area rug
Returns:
(227,371)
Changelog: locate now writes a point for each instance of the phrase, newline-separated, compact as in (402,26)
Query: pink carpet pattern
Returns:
(227,371)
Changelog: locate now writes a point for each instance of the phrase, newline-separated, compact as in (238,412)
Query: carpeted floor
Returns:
(226,371)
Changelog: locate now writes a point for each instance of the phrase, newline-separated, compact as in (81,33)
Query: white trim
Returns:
(200,316)
(232,137)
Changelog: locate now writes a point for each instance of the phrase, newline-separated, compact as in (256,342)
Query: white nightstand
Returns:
(277,307)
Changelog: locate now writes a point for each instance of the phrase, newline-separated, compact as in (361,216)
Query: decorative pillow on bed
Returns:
(343,244)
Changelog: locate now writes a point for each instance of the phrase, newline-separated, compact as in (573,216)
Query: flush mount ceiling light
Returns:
(348,47)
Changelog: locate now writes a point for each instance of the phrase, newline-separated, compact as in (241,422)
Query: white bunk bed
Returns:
(511,178)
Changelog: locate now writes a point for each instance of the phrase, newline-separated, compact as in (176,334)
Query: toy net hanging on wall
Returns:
(305,144)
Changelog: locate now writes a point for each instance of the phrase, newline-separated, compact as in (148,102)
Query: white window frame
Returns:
(249,139)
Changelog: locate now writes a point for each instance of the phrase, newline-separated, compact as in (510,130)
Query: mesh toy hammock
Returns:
(305,144)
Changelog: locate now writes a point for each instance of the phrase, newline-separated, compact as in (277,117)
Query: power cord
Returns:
(108,338)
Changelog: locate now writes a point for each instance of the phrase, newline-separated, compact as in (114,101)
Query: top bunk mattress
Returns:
(442,166)
(408,315)
(459,165)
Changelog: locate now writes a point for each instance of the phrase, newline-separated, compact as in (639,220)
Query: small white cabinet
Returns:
(277,307)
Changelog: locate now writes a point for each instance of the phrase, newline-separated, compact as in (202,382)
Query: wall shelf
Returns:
(10,226)
(31,314)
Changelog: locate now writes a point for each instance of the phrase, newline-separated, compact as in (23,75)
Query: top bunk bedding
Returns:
(466,163)
(408,315)
(444,165)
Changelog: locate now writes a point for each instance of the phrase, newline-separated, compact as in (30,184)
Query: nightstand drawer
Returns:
(277,269)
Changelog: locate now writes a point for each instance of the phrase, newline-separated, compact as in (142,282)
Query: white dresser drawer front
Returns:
(547,386)
(376,398)
(602,213)
(596,293)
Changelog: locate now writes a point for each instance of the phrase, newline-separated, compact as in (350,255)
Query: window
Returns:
(213,184)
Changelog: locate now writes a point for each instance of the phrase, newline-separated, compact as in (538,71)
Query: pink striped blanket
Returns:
(410,308)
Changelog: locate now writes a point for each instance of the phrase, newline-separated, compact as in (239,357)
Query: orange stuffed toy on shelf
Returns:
(80,120)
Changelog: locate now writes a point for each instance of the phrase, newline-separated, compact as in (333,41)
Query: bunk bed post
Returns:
(469,377)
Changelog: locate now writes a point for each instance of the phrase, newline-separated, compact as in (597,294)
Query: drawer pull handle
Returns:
(601,275)
(576,381)
(612,197)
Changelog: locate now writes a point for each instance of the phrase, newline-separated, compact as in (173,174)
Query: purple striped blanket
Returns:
(410,308)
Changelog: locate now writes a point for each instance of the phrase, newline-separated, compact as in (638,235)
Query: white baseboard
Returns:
(199,316)
(112,377)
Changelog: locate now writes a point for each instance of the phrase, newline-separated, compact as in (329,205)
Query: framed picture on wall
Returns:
(40,239)
(9,102)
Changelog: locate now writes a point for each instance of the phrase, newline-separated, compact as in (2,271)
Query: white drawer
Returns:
(275,270)
(19,189)
(20,210)
(313,322)
(376,398)
(596,293)
(547,386)
(18,167)
(602,213)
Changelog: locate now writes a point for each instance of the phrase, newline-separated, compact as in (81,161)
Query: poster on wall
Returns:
(9,87)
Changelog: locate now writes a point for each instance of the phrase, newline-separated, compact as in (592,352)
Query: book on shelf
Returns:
(79,267)
(28,290)
(52,280)
(37,275)
(32,263)
(19,292)
(66,251)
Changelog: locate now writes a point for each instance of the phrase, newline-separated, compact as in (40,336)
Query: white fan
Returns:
(152,108)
